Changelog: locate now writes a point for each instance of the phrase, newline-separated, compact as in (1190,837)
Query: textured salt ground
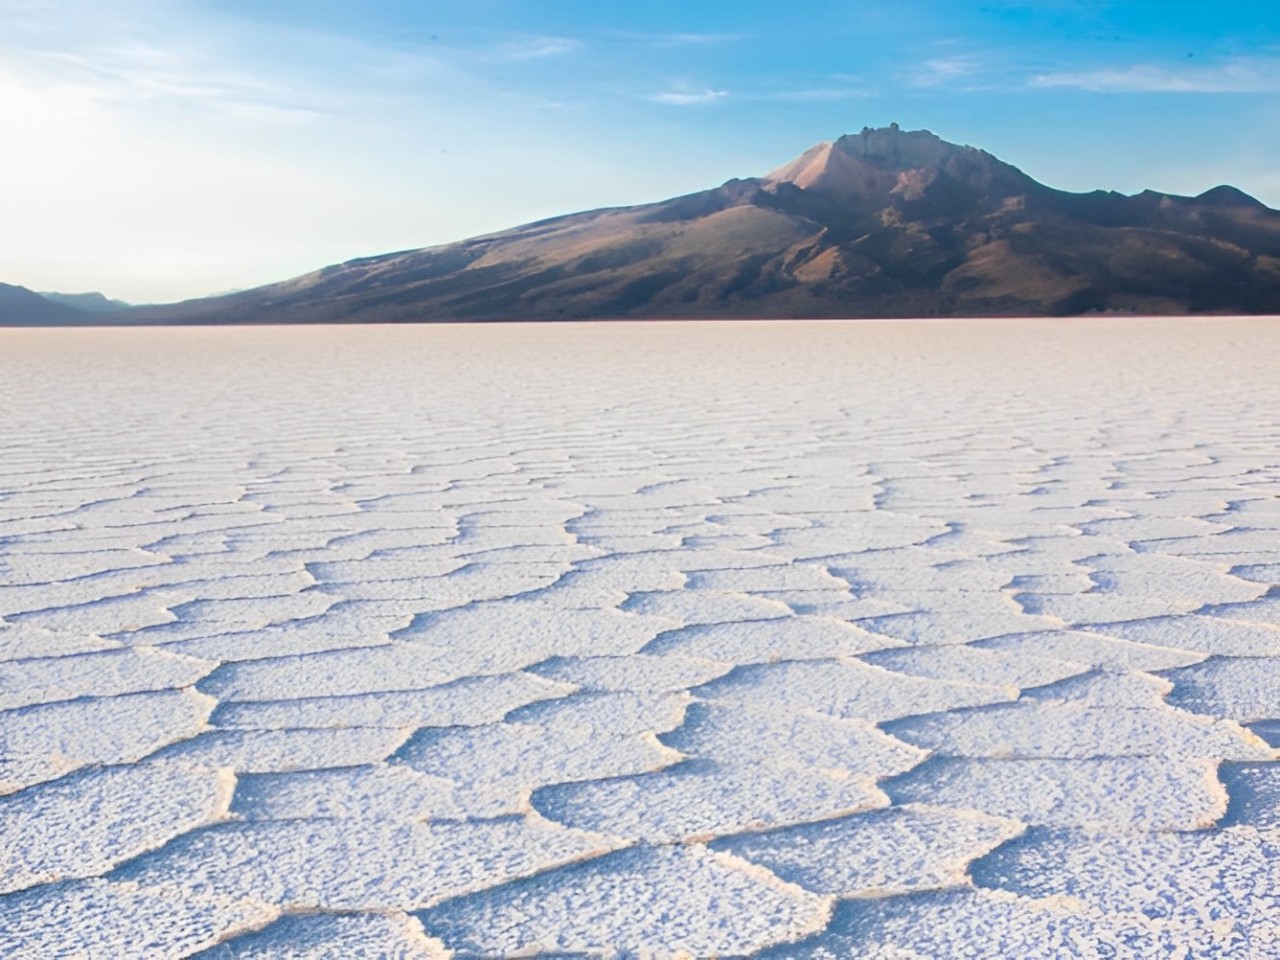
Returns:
(886,640)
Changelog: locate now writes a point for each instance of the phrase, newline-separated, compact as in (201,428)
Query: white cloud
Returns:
(684,97)
(1243,75)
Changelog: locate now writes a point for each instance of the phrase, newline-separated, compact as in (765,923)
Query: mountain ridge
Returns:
(882,223)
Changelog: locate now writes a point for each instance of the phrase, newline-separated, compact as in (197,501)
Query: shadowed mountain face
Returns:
(886,223)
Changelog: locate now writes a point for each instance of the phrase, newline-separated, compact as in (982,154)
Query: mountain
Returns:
(20,307)
(884,223)
(86,302)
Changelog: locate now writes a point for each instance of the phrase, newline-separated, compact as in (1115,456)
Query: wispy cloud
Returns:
(137,73)
(536,48)
(685,97)
(693,39)
(818,94)
(942,71)
(671,39)
(73,54)
(1243,75)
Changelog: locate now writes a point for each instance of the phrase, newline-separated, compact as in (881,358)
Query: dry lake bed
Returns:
(886,640)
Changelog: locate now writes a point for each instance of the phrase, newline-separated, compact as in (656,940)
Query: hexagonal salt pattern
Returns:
(780,639)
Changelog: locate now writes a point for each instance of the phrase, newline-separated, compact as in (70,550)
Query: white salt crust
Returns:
(880,640)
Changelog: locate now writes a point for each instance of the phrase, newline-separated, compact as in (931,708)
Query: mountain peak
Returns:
(890,160)
(1227,196)
(882,147)
(893,146)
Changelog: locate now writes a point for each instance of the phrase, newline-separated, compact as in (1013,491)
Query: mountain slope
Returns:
(882,223)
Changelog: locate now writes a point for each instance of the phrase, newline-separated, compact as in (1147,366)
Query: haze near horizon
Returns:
(166,151)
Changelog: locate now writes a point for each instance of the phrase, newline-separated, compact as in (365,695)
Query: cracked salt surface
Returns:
(824,640)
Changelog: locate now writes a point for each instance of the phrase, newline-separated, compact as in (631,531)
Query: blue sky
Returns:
(159,149)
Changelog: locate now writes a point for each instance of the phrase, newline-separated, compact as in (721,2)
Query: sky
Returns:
(156,150)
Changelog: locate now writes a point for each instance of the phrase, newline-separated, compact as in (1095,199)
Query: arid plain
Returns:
(890,640)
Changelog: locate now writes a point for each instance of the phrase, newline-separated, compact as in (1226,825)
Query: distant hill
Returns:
(86,302)
(22,307)
(884,223)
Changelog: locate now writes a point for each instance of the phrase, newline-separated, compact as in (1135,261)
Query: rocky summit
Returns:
(882,223)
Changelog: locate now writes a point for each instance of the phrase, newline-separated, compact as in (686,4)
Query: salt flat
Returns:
(812,640)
